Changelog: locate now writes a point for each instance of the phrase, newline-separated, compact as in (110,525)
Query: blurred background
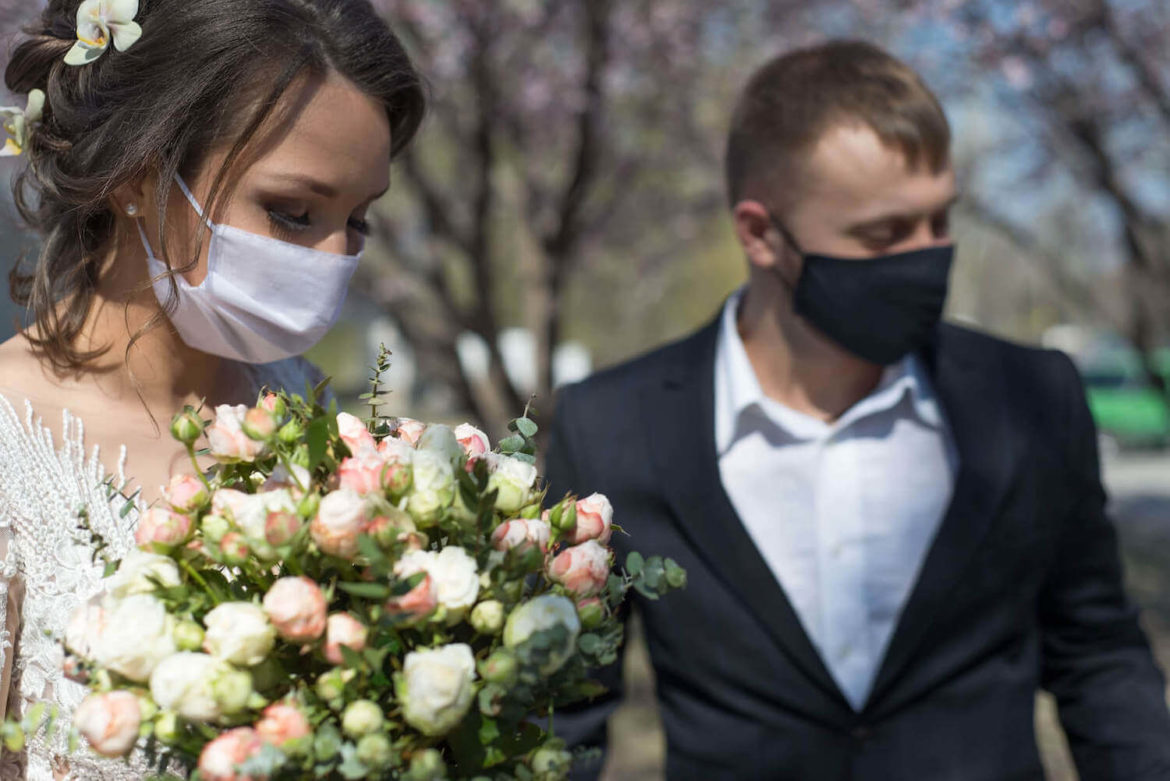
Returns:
(563,210)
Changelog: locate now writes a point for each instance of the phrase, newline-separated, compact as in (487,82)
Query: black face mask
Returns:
(879,308)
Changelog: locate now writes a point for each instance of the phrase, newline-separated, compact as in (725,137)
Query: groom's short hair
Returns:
(794,99)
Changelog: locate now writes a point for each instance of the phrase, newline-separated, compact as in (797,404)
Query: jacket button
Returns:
(862,732)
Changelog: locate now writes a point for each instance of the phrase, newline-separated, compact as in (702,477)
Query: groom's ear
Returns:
(757,235)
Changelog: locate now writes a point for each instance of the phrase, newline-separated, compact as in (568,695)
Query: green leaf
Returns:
(111,568)
(527,427)
(634,563)
(317,437)
(589,643)
(366,590)
(489,732)
(510,445)
(676,576)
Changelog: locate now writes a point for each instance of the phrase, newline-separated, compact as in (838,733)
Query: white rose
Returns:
(436,688)
(137,573)
(342,517)
(487,617)
(453,571)
(239,632)
(441,439)
(433,489)
(138,635)
(85,629)
(539,614)
(185,683)
(513,479)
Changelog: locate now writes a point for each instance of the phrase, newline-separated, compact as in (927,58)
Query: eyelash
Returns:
(290,225)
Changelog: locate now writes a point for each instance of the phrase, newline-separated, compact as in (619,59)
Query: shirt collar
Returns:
(737,390)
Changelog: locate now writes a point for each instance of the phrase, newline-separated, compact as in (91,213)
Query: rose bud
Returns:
(375,751)
(259,424)
(433,488)
(281,526)
(109,722)
(160,530)
(410,430)
(591,611)
(499,668)
(391,527)
(220,758)
(186,427)
(296,607)
(291,432)
(340,519)
(521,534)
(188,636)
(282,722)
(232,690)
(186,493)
(552,761)
(226,438)
(474,442)
(354,433)
(233,549)
(427,764)
(215,526)
(594,520)
(362,717)
(274,405)
(436,687)
(330,685)
(487,617)
(342,629)
(583,569)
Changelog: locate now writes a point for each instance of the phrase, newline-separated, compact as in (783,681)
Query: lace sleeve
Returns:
(9,612)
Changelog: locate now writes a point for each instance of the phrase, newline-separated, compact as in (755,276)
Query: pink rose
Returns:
(222,756)
(226,437)
(594,520)
(109,722)
(410,430)
(296,607)
(420,601)
(520,534)
(159,530)
(281,526)
(474,443)
(186,493)
(582,569)
(282,722)
(365,473)
(354,433)
(343,629)
(341,517)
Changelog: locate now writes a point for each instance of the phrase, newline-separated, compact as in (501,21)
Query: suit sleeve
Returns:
(582,725)
(1096,659)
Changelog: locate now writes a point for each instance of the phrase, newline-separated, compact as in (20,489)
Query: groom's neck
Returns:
(794,363)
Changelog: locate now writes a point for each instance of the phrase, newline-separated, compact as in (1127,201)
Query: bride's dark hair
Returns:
(206,74)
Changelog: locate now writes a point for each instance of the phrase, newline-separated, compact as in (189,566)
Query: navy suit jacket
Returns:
(1021,589)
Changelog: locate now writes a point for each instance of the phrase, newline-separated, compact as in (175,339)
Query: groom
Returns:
(894,529)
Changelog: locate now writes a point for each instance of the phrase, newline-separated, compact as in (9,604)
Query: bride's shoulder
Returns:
(22,376)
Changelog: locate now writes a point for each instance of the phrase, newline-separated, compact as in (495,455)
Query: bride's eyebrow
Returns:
(319,187)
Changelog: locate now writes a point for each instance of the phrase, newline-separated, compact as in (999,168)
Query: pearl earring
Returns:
(132,209)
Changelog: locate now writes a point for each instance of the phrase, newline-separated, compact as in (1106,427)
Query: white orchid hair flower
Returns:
(18,123)
(98,23)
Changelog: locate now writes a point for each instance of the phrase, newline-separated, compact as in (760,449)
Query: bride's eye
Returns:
(361,226)
(284,224)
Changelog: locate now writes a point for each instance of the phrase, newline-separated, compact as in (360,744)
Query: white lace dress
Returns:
(47,568)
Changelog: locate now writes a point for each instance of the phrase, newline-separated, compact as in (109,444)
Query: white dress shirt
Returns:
(844,512)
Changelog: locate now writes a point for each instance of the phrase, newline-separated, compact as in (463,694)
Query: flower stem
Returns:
(186,565)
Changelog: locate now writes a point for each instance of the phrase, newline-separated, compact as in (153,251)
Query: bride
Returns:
(200,174)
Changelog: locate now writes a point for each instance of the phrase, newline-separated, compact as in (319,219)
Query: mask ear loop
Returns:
(191,200)
(791,241)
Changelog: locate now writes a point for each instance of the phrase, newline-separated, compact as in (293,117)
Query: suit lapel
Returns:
(989,448)
(680,420)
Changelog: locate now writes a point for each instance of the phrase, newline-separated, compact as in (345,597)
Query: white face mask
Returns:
(262,300)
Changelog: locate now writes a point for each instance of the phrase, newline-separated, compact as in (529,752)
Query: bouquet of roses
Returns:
(348,599)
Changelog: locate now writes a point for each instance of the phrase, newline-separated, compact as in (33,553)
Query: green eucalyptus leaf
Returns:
(527,427)
(634,563)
